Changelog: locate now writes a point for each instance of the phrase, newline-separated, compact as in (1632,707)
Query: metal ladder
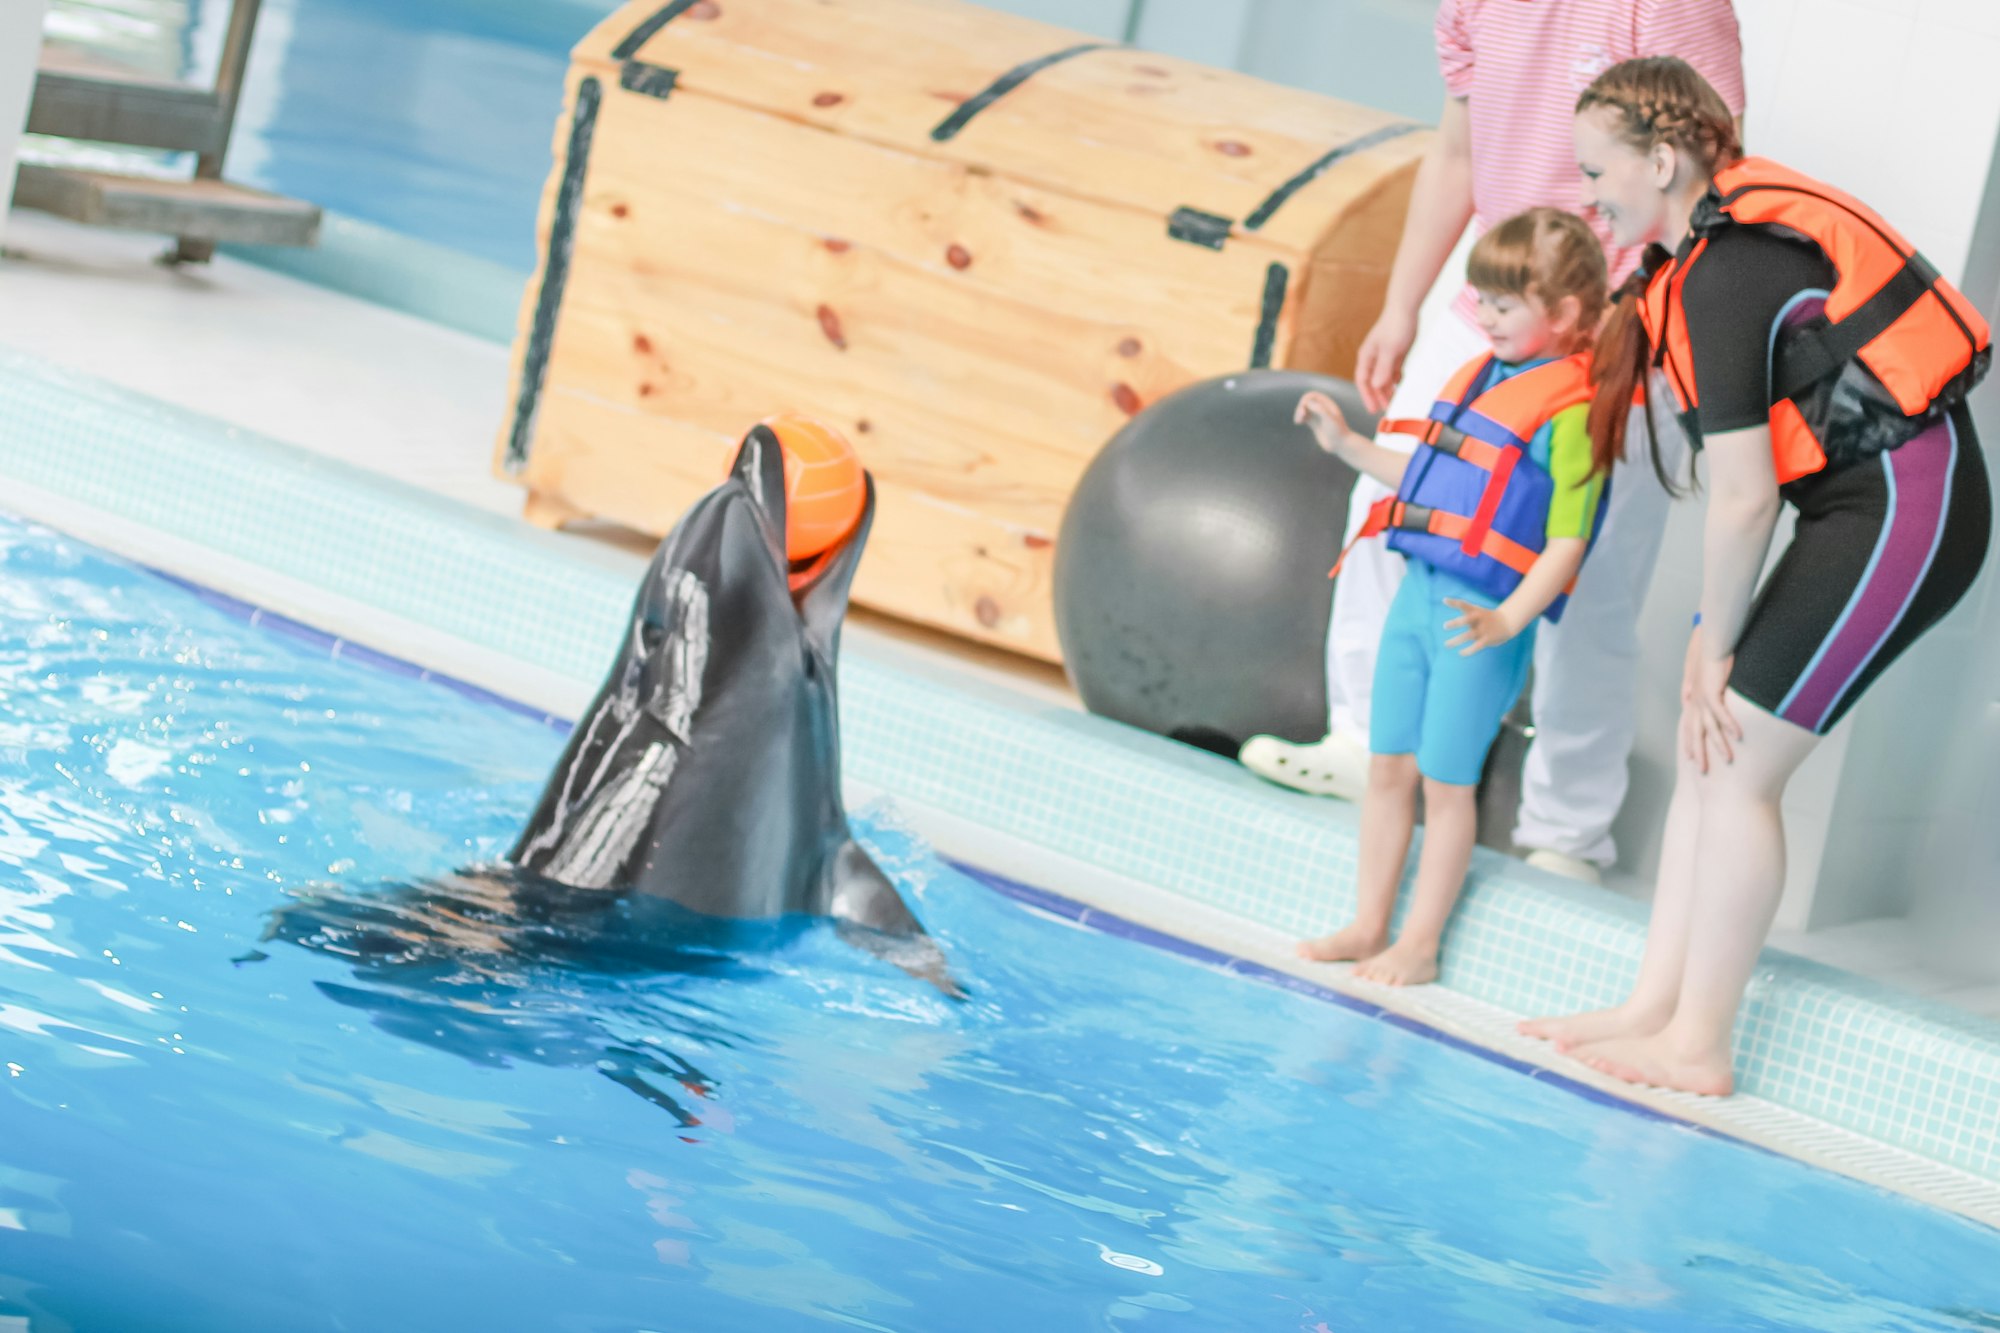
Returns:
(78,99)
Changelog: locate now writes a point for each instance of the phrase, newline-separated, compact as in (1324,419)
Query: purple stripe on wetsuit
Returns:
(1919,479)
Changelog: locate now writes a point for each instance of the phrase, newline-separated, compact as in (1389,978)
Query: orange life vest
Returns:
(1911,339)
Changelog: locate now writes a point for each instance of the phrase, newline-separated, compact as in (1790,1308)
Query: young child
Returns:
(1495,510)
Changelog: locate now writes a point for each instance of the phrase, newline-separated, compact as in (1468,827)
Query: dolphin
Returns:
(700,793)
(695,814)
(707,770)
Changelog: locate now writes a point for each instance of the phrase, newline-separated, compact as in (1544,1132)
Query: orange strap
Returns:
(1476,452)
(1498,545)
(1421,427)
(1390,512)
(1489,502)
(1380,518)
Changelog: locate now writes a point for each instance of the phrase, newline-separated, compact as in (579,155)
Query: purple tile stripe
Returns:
(317,640)
(1092,918)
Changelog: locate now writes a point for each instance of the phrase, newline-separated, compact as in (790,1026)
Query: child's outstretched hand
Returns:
(1482,626)
(1321,415)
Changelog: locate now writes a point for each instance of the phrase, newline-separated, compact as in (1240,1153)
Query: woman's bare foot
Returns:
(1659,1062)
(1401,964)
(1347,945)
(1623,1020)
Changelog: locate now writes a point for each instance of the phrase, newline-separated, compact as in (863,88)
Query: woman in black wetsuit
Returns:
(1838,390)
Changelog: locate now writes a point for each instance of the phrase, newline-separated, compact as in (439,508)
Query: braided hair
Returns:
(1657,100)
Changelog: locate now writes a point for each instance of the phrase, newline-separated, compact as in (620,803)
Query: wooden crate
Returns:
(976,242)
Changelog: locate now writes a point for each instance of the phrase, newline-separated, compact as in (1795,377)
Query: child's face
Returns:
(1521,328)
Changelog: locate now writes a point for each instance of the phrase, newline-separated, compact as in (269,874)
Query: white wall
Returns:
(1376,52)
(1951,861)
(20,44)
(1097,18)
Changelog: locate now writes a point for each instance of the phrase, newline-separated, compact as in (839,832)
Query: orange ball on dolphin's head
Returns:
(825,487)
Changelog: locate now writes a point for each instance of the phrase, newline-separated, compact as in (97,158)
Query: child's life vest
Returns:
(1474,502)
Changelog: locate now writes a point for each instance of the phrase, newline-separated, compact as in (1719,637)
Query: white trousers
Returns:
(1586,667)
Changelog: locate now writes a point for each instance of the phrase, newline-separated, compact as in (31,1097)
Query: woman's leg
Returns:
(1388,816)
(1653,996)
(1451,820)
(1739,873)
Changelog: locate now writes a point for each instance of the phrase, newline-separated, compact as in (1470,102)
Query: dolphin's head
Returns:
(818,585)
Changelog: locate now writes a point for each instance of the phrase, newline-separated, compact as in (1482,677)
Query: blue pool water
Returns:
(615,1124)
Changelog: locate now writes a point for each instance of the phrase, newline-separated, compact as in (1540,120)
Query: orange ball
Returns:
(825,488)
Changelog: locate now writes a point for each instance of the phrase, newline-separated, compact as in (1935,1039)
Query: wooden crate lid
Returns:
(1024,100)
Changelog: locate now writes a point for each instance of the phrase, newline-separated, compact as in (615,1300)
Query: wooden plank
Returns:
(1001,236)
(927,560)
(1327,344)
(722,384)
(1131,127)
(993,401)
(931,330)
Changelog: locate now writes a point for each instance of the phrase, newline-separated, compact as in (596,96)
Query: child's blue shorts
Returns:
(1429,700)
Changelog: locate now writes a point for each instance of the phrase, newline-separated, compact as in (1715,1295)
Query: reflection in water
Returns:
(496,966)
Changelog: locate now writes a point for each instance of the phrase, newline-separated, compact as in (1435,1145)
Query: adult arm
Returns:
(1440,208)
(1736,537)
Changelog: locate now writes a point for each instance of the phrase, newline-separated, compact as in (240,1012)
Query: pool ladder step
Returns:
(77,97)
(207,211)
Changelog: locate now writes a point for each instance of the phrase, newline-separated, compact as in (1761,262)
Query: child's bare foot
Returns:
(1401,964)
(1659,1062)
(1624,1020)
(1347,945)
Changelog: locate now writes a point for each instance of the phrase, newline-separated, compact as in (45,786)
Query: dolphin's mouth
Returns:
(801,575)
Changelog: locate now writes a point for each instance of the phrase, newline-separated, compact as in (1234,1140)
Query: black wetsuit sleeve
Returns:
(1732,297)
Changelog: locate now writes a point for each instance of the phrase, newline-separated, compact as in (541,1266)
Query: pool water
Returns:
(224,1107)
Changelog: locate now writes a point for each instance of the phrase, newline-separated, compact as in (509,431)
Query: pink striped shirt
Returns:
(1521,64)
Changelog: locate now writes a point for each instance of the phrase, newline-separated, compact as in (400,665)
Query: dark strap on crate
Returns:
(1007,83)
(636,76)
(639,36)
(1262,213)
(555,273)
(1276,278)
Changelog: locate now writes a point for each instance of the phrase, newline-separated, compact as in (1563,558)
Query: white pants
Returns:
(1586,667)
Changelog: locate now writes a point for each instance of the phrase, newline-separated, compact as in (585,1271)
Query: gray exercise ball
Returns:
(1191,594)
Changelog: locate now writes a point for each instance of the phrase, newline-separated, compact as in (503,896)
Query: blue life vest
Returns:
(1474,502)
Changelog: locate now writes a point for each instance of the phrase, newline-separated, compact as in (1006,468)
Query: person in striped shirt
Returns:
(1513,70)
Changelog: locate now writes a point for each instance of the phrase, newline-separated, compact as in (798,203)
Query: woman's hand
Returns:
(1321,415)
(1707,726)
(1482,626)
(1378,367)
